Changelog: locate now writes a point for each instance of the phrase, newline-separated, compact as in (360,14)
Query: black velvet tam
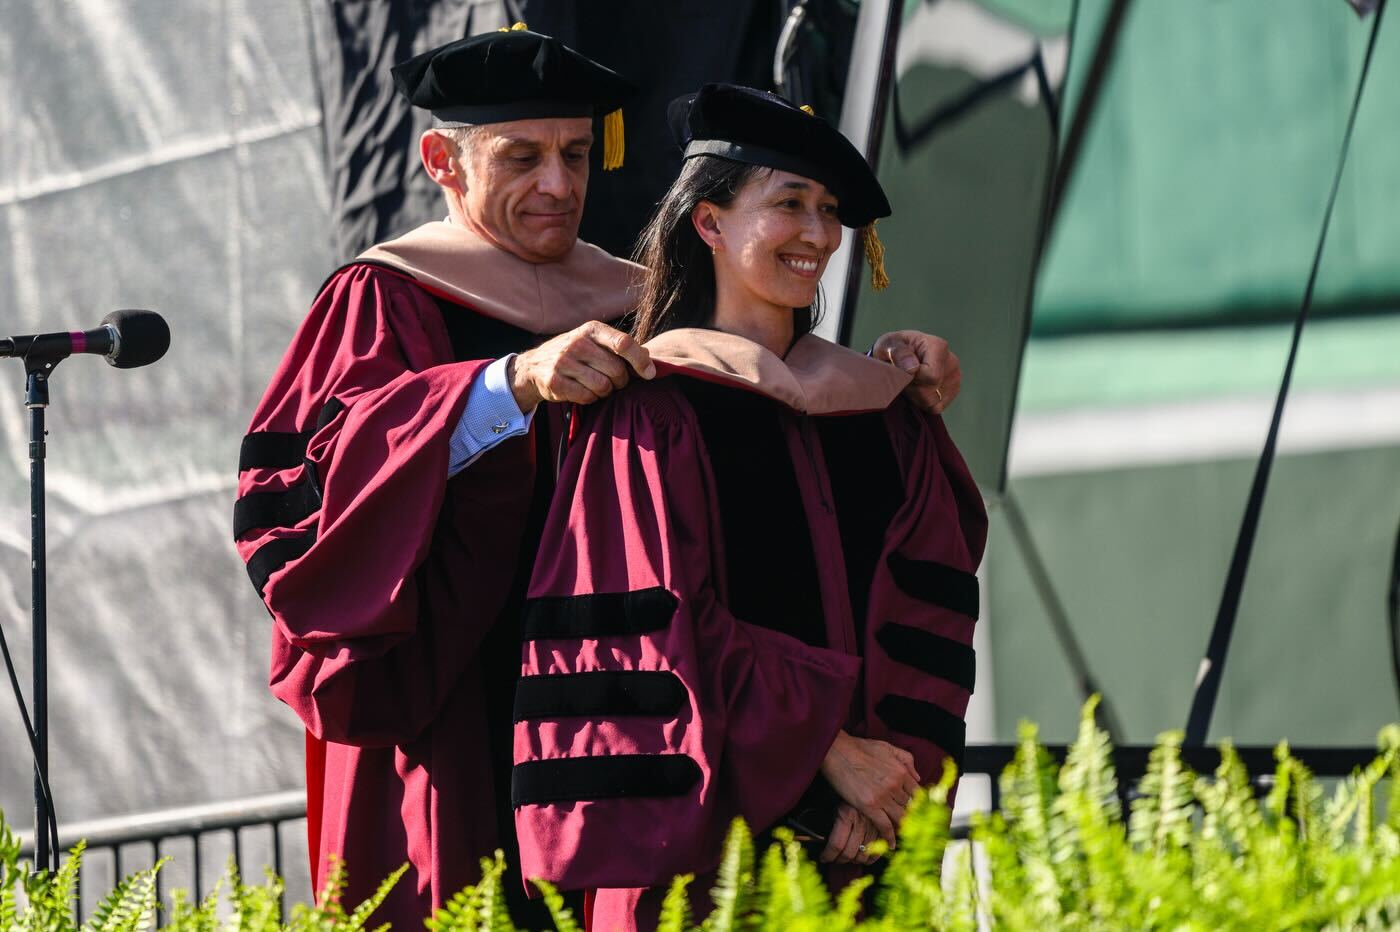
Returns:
(748,125)
(514,74)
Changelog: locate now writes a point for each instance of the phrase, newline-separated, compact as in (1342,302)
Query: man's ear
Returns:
(440,161)
(705,218)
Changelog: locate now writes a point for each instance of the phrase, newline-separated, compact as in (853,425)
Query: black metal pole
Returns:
(889,45)
(36,399)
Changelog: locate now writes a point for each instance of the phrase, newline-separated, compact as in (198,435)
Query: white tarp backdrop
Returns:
(166,156)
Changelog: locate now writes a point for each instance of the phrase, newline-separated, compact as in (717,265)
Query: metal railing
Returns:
(222,826)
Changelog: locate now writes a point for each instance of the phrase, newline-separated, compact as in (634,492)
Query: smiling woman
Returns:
(765,189)
(755,592)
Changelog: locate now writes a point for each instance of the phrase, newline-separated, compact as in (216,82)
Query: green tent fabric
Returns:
(1203,180)
(1181,254)
(1195,207)
(1176,268)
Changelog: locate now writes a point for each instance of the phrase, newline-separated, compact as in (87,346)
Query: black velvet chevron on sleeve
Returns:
(931,653)
(599,693)
(598,614)
(275,554)
(925,720)
(936,583)
(611,777)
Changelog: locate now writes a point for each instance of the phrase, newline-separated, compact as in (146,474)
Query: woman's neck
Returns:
(766,324)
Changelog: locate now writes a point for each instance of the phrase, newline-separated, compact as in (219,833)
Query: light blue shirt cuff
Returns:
(491,415)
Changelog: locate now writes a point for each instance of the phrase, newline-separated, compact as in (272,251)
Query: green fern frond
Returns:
(1029,787)
(1350,815)
(1388,740)
(460,912)
(675,909)
(63,887)
(102,913)
(772,897)
(495,913)
(1231,811)
(480,907)
(562,916)
(1276,802)
(1010,902)
(1089,843)
(130,908)
(258,907)
(9,843)
(1088,770)
(849,902)
(323,913)
(959,912)
(10,875)
(1161,815)
(910,893)
(734,891)
(187,916)
(809,896)
(360,917)
(9,909)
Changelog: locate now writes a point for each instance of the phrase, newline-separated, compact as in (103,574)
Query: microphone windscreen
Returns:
(144,337)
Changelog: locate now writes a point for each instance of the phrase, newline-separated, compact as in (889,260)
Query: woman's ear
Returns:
(705,218)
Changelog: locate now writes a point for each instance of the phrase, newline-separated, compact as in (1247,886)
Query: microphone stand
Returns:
(41,352)
(36,399)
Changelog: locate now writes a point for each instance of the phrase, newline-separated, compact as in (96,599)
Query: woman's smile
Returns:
(805,266)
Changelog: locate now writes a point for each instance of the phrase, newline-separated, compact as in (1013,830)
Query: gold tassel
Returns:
(613,145)
(518,27)
(875,255)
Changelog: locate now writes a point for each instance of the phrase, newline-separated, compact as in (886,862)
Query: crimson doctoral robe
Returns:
(741,559)
(386,580)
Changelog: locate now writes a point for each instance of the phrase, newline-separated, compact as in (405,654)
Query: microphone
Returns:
(126,339)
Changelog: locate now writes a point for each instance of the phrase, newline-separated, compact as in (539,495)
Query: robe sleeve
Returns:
(649,716)
(924,599)
(341,481)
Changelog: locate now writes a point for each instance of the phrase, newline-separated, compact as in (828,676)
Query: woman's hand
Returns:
(875,777)
(936,370)
(850,834)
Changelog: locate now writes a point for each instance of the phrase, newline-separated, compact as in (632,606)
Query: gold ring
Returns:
(939,392)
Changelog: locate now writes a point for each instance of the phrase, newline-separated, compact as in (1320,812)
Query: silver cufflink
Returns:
(499,428)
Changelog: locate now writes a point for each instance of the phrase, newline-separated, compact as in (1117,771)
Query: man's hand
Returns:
(850,833)
(875,777)
(936,370)
(581,366)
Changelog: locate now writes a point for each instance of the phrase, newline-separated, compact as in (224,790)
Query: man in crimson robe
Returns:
(395,475)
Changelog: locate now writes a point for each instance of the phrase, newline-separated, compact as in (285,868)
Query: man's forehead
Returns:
(545,131)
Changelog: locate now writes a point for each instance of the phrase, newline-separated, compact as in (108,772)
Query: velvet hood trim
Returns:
(815,377)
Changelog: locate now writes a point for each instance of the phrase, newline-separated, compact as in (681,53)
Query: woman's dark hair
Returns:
(678,285)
